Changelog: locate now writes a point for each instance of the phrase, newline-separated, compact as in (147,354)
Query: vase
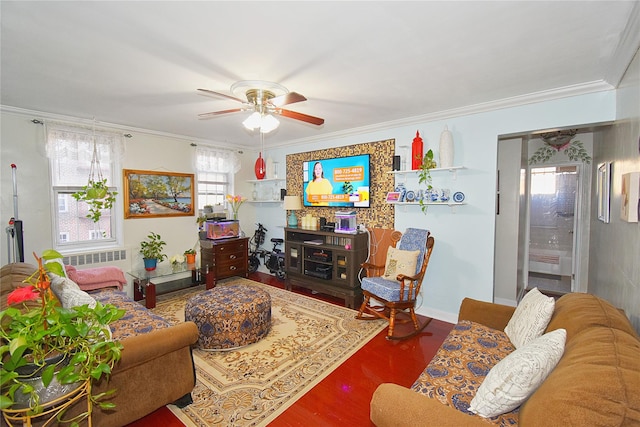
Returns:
(31,374)
(446,148)
(150,264)
(191,258)
(260,168)
(416,152)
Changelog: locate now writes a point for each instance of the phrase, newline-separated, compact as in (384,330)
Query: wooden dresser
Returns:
(224,258)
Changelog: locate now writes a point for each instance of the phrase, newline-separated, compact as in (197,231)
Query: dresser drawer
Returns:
(231,246)
(237,267)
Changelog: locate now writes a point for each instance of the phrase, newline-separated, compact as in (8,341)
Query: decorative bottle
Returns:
(446,148)
(416,152)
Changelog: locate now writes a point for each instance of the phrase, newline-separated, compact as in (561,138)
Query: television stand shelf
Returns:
(325,262)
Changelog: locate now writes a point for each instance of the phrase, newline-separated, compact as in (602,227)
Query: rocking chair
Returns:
(397,294)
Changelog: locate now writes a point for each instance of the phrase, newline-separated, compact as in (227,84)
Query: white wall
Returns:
(463,258)
(614,272)
(507,221)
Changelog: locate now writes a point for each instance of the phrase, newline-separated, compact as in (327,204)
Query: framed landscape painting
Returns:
(149,194)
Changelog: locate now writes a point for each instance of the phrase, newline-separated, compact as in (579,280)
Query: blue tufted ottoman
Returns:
(230,316)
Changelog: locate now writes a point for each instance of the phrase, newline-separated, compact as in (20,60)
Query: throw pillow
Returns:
(400,262)
(69,293)
(512,380)
(530,318)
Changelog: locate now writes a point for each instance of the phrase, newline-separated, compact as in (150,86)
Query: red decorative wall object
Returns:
(416,152)
(260,167)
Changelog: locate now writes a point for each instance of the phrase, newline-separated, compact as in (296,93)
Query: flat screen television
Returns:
(339,182)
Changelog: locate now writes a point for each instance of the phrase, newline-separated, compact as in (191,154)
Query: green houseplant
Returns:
(97,196)
(43,341)
(424,175)
(151,250)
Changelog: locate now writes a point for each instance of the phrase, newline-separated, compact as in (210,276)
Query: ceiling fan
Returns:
(265,99)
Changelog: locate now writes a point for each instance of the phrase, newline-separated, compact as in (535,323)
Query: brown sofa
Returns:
(596,382)
(156,367)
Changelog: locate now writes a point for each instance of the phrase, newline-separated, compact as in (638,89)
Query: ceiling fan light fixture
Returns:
(253,121)
(269,123)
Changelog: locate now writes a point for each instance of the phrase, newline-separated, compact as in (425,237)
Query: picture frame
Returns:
(630,197)
(393,197)
(603,191)
(151,194)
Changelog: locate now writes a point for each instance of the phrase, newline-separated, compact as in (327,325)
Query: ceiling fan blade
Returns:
(286,99)
(217,113)
(210,92)
(300,116)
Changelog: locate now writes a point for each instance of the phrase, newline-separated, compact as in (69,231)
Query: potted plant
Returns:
(97,196)
(151,250)
(43,345)
(424,175)
(191,256)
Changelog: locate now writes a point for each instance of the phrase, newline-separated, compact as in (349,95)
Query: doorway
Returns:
(552,228)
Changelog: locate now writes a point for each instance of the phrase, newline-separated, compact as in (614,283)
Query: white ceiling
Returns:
(360,64)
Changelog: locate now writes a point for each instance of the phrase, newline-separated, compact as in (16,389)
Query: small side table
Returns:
(145,288)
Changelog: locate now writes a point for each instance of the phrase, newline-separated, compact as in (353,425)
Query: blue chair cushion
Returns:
(387,289)
(413,239)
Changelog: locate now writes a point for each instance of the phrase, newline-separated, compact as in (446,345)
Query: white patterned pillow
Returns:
(530,319)
(69,293)
(512,380)
(400,262)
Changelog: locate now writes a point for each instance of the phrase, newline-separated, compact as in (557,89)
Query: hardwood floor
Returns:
(343,397)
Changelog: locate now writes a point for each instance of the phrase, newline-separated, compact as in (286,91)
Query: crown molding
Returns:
(626,49)
(41,115)
(516,101)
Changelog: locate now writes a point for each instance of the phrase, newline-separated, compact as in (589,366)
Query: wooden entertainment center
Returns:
(325,262)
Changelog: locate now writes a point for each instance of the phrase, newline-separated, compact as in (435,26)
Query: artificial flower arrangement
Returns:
(235,202)
(69,345)
(176,259)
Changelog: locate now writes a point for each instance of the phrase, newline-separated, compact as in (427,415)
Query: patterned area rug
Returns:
(252,385)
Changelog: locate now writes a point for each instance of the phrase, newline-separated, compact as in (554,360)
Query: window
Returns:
(215,169)
(70,151)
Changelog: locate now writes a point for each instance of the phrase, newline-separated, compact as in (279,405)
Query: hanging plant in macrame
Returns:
(560,141)
(96,193)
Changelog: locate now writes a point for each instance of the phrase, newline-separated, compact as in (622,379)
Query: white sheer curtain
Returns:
(70,150)
(209,159)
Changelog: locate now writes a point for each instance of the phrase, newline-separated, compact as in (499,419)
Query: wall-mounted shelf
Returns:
(452,205)
(453,169)
(257,202)
(256,181)
(266,190)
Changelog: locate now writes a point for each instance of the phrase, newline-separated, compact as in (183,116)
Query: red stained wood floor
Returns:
(343,397)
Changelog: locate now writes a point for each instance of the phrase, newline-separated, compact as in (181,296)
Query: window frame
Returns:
(116,221)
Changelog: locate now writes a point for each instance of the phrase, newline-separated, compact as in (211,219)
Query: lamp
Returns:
(292,203)
(266,123)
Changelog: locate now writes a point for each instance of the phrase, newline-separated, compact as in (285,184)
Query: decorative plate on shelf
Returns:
(458,196)
(410,196)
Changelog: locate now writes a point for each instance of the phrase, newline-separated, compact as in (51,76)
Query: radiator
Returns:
(95,257)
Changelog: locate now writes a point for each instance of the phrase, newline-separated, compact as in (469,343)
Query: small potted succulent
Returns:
(151,250)
(46,349)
